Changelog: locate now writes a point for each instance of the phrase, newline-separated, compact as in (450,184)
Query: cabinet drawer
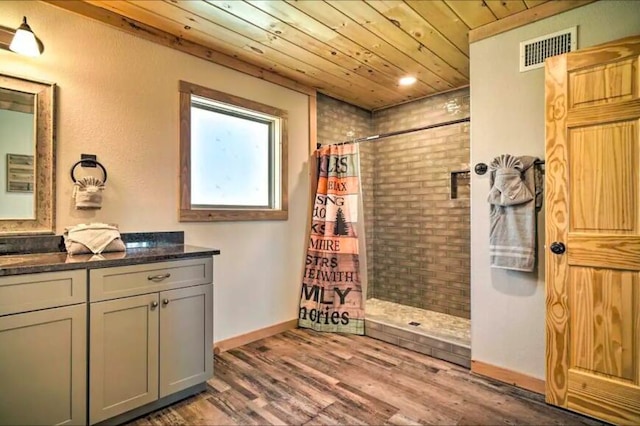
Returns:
(124,281)
(23,293)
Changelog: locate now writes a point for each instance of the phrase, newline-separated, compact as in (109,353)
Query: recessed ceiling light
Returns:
(405,81)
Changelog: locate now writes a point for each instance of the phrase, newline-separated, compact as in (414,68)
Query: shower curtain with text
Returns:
(331,296)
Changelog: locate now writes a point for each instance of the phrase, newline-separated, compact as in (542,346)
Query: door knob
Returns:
(165,302)
(558,248)
(154,304)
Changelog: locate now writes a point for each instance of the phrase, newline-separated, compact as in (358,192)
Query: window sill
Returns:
(231,215)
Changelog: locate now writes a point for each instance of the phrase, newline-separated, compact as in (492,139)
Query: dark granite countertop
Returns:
(26,255)
(61,261)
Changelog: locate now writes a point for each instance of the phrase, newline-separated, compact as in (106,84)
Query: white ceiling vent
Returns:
(533,52)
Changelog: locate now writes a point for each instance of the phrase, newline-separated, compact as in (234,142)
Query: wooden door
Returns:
(43,367)
(593,208)
(186,338)
(123,350)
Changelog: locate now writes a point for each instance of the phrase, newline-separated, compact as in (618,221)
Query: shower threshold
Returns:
(432,333)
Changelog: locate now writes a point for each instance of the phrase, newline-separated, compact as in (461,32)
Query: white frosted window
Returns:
(233,154)
(230,159)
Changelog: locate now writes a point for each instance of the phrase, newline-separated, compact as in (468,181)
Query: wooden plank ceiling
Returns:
(355,51)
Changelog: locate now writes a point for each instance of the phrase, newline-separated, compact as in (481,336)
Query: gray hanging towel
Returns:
(514,198)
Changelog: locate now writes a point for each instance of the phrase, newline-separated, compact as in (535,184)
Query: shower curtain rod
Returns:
(402,132)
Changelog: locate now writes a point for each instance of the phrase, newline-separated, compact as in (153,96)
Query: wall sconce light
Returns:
(25,41)
(22,41)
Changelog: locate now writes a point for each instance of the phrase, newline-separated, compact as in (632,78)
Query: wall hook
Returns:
(481,168)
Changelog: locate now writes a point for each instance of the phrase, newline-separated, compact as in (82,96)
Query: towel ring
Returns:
(88,160)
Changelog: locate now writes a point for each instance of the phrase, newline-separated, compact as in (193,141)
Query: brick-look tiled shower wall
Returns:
(421,236)
(338,122)
(417,238)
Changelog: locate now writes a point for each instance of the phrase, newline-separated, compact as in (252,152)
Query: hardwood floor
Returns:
(305,377)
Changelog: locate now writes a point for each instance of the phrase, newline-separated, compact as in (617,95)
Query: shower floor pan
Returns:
(431,333)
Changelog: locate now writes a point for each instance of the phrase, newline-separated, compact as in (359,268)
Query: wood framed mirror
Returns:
(27,156)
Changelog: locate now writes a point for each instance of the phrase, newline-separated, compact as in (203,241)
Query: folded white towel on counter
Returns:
(93,238)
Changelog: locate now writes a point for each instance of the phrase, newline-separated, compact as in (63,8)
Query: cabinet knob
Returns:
(165,302)
(154,304)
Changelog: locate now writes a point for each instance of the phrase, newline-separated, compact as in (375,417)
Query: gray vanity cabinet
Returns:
(186,338)
(153,342)
(123,373)
(104,344)
(43,362)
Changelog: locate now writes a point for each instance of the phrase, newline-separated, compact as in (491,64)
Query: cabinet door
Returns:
(186,338)
(43,367)
(123,350)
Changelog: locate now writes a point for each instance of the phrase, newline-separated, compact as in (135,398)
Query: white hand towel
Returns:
(87,193)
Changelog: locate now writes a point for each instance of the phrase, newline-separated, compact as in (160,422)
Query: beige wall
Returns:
(507,110)
(118,99)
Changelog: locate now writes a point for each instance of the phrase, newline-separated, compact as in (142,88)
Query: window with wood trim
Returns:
(233,157)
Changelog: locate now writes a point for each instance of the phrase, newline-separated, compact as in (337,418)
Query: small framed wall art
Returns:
(20,173)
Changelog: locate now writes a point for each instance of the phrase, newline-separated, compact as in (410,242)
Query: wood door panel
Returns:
(604,398)
(608,83)
(593,206)
(602,320)
(556,212)
(604,53)
(603,164)
(604,251)
(613,112)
